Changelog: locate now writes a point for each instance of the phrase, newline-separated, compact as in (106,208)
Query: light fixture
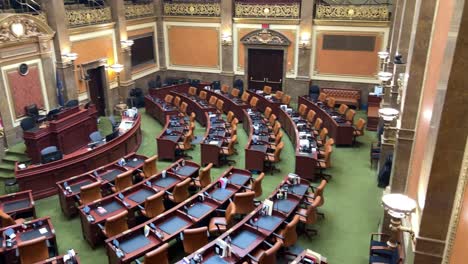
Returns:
(383,56)
(385,76)
(388,114)
(226,39)
(304,42)
(117,67)
(69,58)
(17,28)
(127,44)
(398,206)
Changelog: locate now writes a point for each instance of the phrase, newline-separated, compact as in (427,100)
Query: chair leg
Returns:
(321,214)
(308,232)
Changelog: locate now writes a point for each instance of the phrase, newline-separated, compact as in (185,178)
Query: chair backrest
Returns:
(350,115)
(225,88)
(257,185)
(278,150)
(213,100)
(310,116)
(253,102)
(180,192)
(230,116)
(203,95)
(149,167)
(205,176)
(323,134)
(123,180)
(277,128)
(360,125)
(95,136)
(90,192)
(327,156)
(269,256)
(330,142)
(183,107)
(116,224)
(302,109)
(319,192)
(272,119)
(154,205)
(244,202)
(168,98)
(342,109)
(34,250)
(192,117)
(230,146)
(6,219)
(286,99)
(322,97)
(278,137)
(187,140)
(234,122)
(48,150)
(192,90)
(231,210)
(177,101)
(245,97)
(267,89)
(28,123)
(311,213)
(220,105)
(158,256)
(268,112)
(71,103)
(32,110)
(279,95)
(318,123)
(289,233)
(235,92)
(195,238)
(331,102)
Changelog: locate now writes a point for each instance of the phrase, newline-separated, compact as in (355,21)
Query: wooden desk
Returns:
(255,152)
(174,221)
(234,104)
(59,260)
(158,109)
(214,139)
(373,106)
(18,205)
(305,160)
(310,256)
(253,229)
(265,101)
(41,179)
(73,123)
(107,174)
(32,231)
(194,104)
(170,136)
(341,132)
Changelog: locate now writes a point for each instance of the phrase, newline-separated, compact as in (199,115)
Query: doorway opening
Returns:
(265,68)
(96,84)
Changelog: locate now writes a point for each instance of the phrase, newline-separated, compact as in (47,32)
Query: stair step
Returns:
(5,174)
(7,166)
(16,157)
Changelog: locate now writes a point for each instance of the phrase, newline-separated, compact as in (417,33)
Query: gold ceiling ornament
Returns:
(265,37)
(137,11)
(192,9)
(268,10)
(353,12)
(90,16)
(16,27)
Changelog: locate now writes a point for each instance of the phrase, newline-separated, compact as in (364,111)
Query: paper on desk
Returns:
(214,142)
(43,231)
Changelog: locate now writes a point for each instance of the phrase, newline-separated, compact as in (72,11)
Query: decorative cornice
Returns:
(265,37)
(353,12)
(292,10)
(26,26)
(192,9)
(86,17)
(350,23)
(139,11)
(276,21)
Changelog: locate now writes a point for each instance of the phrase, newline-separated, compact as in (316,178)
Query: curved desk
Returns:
(41,178)
(167,142)
(255,153)
(158,109)
(265,101)
(234,104)
(306,158)
(196,105)
(342,133)
(213,140)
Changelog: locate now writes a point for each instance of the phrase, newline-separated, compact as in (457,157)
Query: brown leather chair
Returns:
(350,116)
(325,163)
(7,220)
(308,216)
(90,193)
(310,116)
(275,157)
(276,130)
(192,117)
(195,238)
(228,150)
(317,125)
(116,224)
(286,99)
(318,191)
(268,256)
(271,121)
(221,224)
(289,233)
(122,181)
(279,95)
(256,185)
(33,251)
(204,177)
(192,91)
(149,167)
(183,108)
(244,202)
(329,142)
(212,100)
(180,192)
(154,205)
(158,256)
(322,97)
(267,89)
(230,116)
(168,99)
(185,145)
(203,95)
(245,97)
(322,137)
(267,112)
(220,105)
(253,102)
(225,89)
(272,146)
(359,129)
(235,92)
(343,108)
(177,101)
(331,102)
(302,110)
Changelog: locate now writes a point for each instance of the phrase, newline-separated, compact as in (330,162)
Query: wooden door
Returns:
(96,89)
(265,68)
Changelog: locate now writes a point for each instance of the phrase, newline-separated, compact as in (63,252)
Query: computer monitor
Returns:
(112,135)
(50,157)
(378,90)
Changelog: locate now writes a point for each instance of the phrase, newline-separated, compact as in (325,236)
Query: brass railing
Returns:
(133,11)
(207,9)
(353,12)
(267,10)
(88,16)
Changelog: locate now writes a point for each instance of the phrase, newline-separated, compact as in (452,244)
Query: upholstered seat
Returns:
(90,193)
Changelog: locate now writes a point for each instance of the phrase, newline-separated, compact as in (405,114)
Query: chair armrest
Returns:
(268,244)
(101,226)
(303,215)
(278,236)
(220,210)
(137,261)
(253,258)
(168,193)
(141,207)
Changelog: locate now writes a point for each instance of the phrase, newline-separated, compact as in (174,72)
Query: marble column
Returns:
(398,10)
(159,7)
(227,51)
(56,19)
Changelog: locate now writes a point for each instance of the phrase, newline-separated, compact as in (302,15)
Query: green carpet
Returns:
(352,200)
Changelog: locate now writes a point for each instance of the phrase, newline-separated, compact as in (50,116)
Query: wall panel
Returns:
(25,89)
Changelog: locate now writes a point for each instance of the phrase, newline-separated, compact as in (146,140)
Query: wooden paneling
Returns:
(193,46)
(25,90)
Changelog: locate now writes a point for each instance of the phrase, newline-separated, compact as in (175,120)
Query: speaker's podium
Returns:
(69,130)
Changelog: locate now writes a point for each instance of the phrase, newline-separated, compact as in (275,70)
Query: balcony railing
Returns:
(290,9)
(210,8)
(88,16)
(369,10)
(139,10)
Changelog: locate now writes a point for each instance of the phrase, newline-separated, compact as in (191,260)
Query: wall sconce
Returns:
(127,44)
(69,58)
(385,77)
(304,42)
(398,206)
(389,115)
(117,67)
(226,39)
(383,56)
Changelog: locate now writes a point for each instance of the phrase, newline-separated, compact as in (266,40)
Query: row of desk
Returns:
(167,226)
(337,127)
(259,136)
(170,136)
(18,205)
(131,199)
(214,139)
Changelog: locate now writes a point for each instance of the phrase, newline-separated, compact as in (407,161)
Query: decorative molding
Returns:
(265,37)
(139,11)
(192,9)
(155,41)
(353,12)
(268,10)
(85,17)
(18,28)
